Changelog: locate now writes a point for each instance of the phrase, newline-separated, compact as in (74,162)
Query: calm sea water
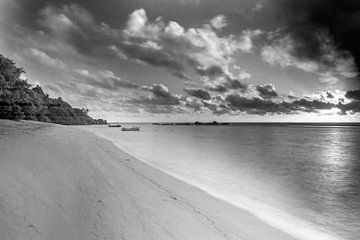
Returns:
(302,179)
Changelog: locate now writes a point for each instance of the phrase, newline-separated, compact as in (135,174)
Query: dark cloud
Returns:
(160,90)
(154,57)
(217,109)
(353,94)
(219,80)
(311,105)
(314,25)
(257,105)
(228,84)
(351,107)
(267,91)
(235,84)
(211,72)
(354,105)
(329,95)
(218,88)
(196,106)
(198,93)
(291,97)
(77,27)
(260,106)
(160,96)
(159,103)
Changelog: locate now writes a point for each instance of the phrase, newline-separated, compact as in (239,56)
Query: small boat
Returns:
(130,129)
(114,125)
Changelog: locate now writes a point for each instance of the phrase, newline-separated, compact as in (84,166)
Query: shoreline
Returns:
(71,184)
(283,221)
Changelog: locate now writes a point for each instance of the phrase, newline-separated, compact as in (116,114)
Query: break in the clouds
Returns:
(227,59)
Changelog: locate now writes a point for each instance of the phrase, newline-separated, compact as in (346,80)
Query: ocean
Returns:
(303,179)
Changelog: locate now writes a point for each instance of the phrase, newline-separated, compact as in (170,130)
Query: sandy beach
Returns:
(60,182)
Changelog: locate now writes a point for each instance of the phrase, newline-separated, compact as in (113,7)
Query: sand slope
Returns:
(63,183)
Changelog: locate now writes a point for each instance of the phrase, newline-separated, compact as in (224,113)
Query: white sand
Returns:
(63,183)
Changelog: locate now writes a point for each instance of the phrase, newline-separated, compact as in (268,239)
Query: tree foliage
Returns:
(19,100)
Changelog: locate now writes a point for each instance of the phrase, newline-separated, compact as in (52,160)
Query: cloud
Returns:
(218,79)
(226,85)
(256,105)
(286,51)
(267,91)
(258,7)
(323,32)
(76,28)
(58,22)
(195,47)
(85,73)
(329,95)
(166,44)
(246,39)
(353,94)
(157,43)
(105,79)
(42,58)
(182,76)
(244,75)
(211,72)
(311,105)
(328,78)
(194,104)
(198,93)
(218,22)
(260,106)
(160,96)
(161,100)
(351,107)
(160,90)
(152,56)
(217,106)
(190,1)
(207,53)
(280,53)
(136,24)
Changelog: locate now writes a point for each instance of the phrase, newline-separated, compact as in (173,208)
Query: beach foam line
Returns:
(274,217)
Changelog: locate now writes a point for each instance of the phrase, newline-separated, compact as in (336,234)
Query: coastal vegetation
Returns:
(20,100)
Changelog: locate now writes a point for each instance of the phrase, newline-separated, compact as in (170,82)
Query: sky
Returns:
(188,60)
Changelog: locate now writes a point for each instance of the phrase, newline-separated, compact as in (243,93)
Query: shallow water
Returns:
(302,179)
